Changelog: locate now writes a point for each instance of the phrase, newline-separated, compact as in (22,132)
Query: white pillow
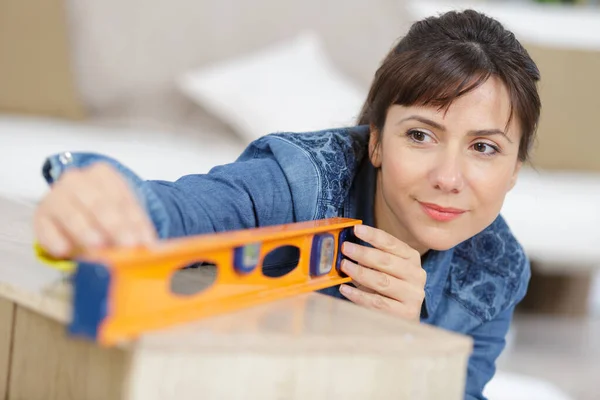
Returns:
(289,86)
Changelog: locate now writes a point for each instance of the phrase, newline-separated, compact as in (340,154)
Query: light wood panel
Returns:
(6,328)
(307,347)
(48,365)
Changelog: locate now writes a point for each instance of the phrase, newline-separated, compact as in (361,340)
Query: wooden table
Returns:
(307,347)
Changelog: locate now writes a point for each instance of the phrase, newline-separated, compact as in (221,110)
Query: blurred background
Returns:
(176,87)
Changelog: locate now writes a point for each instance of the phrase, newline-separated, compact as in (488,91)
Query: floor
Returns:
(564,351)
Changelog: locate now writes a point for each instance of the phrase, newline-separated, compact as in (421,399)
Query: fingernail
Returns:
(345,289)
(349,248)
(348,266)
(360,229)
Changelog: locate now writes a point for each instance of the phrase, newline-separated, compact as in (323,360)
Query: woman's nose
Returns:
(447,174)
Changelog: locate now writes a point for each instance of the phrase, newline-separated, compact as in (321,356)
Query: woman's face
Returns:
(444,174)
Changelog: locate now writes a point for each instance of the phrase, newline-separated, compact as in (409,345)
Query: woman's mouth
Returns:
(439,213)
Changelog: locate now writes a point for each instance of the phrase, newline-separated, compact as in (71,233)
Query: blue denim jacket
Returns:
(285,177)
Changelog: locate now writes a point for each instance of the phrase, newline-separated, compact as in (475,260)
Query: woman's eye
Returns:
(418,136)
(485,148)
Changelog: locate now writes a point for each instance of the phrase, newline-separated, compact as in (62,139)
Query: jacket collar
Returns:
(437,265)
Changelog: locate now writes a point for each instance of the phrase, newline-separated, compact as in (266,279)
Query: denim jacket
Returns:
(289,177)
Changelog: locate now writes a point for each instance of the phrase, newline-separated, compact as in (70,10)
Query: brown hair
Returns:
(442,58)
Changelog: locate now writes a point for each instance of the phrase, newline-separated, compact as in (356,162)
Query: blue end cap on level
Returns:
(91,282)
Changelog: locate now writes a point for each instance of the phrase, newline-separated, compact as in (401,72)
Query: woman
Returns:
(447,124)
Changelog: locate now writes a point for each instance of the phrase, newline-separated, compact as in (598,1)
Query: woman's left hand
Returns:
(389,276)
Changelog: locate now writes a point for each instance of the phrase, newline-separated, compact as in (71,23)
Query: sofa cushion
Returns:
(290,86)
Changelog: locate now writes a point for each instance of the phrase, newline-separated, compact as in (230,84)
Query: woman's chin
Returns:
(439,239)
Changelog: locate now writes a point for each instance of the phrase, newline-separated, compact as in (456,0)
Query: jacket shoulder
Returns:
(324,161)
(489,272)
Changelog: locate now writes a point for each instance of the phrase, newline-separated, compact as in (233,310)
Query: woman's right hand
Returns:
(88,208)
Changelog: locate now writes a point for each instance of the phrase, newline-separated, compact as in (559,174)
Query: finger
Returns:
(135,215)
(376,301)
(74,221)
(361,287)
(386,242)
(382,261)
(368,300)
(384,284)
(115,208)
(70,206)
(52,239)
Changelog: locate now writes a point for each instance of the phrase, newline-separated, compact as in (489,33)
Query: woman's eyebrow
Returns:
(489,132)
(423,120)
(480,132)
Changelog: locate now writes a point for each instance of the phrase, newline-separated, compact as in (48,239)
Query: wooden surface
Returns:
(306,347)
(6,330)
(47,365)
(310,346)
(23,279)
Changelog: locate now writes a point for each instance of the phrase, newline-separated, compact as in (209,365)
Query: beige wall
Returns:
(35,65)
(569,131)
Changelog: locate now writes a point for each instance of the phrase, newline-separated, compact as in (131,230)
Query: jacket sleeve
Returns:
(489,342)
(252,191)
(241,195)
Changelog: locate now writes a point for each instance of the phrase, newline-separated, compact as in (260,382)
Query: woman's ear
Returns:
(375,147)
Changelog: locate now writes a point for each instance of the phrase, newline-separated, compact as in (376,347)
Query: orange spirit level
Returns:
(120,293)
